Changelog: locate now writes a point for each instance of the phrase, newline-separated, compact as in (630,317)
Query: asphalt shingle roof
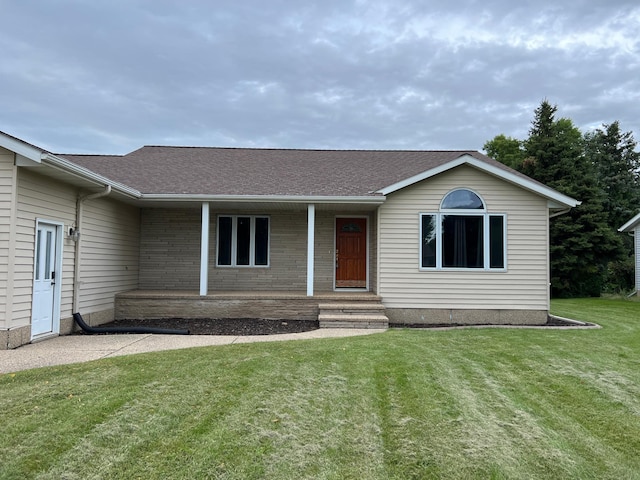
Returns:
(269,172)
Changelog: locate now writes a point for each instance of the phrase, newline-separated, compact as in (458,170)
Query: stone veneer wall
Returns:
(175,306)
(170,253)
(15,337)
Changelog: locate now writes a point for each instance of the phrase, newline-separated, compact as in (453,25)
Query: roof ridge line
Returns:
(399,150)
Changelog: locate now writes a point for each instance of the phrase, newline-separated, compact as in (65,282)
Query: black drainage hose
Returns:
(91,330)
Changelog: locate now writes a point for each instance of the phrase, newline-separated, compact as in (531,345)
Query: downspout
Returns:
(98,330)
(76,263)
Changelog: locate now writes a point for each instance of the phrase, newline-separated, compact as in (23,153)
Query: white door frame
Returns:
(57,286)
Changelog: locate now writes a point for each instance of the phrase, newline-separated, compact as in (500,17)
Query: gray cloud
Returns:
(108,77)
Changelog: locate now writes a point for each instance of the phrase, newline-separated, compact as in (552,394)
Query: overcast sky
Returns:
(108,76)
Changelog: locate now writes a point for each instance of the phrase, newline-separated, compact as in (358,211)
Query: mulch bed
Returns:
(261,326)
(223,326)
(551,322)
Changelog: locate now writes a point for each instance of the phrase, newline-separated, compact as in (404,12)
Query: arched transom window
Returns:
(463,234)
(462,199)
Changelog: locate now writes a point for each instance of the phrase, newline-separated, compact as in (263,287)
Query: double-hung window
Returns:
(243,241)
(463,235)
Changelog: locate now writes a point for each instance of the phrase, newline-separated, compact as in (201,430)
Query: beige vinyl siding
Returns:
(7,235)
(110,236)
(525,284)
(40,197)
(110,245)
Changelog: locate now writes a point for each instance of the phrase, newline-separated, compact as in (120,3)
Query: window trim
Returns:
(234,241)
(486,225)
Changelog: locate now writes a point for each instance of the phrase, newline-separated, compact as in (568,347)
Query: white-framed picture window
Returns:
(463,235)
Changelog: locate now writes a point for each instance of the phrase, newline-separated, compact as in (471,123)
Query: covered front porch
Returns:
(220,247)
(332,309)
(286,260)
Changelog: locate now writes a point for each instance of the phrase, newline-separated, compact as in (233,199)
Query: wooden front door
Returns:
(351,252)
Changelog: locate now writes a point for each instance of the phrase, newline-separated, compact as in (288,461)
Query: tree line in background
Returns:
(602,170)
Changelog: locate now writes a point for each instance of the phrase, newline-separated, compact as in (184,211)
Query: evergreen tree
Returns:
(617,164)
(581,241)
(553,150)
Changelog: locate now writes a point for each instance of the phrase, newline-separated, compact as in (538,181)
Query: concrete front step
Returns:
(352,315)
(352,307)
(348,324)
(363,304)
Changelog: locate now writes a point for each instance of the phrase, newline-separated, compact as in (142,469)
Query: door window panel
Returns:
(38,248)
(47,262)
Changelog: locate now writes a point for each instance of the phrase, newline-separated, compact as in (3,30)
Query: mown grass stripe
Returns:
(470,403)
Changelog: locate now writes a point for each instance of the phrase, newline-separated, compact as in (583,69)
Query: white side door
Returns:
(44,291)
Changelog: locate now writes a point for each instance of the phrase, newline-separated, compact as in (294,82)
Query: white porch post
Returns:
(204,250)
(311,237)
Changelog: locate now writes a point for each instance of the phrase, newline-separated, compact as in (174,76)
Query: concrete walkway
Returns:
(83,348)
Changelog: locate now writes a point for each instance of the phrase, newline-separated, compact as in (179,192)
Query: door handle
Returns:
(337,256)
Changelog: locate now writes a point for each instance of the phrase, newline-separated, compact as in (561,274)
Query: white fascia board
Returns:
(557,199)
(22,161)
(631,224)
(422,176)
(26,151)
(86,174)
(549,193)
(377,200)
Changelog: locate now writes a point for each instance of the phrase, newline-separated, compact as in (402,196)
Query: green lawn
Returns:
(465,403)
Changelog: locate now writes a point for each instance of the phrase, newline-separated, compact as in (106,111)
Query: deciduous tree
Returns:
(507,150)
